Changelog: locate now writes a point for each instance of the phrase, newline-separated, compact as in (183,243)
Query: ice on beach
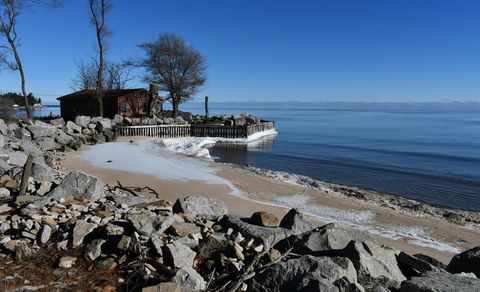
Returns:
(148,158)
(198,146)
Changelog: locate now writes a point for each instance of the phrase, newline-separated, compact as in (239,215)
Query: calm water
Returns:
(430,154)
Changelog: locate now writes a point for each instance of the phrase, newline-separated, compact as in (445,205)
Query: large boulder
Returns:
(204,206)
(104,124)
(467,262)
(73,127)
(28,147)
(42,172)
(17,158)
(47,143)
(266,235)
(118,120)
(147,223)
(328,237)
(375,265)
(78,185)
(59,123)
(296,221)
(82,121)
(266,219)
(440,282)
(179,255)
(41,130)
(306,273)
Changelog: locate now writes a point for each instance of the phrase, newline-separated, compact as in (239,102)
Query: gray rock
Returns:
(94,249)
(306,273)
(17,159)
(440,282)
(294,220)
(179,121)
(103,125)
(375,265)
(41,130)
(45,233)
(82,121)
(179,255)
(203,206)
(266,235)
(4,208)
(328,237)
(467,262)
(109,135)
(42,172)
(4,167)
(80,230)
(28,147)
(60,122)
(47,143)
(190,280)
(73,127)
(67,262)
(147,223)
(62,138)
(3,128)
(118,119)
(4,193)
(414,266)
(76,185)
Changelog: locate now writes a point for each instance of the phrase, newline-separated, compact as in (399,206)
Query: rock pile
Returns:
(194,244)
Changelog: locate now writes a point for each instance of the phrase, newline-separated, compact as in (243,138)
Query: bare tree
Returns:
(10,10)
(116,75)
(86,77)
(98,11)
(178,68)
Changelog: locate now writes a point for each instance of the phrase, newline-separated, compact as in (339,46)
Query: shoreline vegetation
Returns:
(97,227)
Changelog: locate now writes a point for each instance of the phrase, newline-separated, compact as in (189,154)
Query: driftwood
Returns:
(27,170)
(134,190)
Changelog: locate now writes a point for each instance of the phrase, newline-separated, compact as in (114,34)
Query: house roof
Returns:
(90,93)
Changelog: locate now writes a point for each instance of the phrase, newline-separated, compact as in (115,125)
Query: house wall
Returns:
(135,105)
(70,108)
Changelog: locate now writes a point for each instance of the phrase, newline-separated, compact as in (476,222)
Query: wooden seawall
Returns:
(177,131)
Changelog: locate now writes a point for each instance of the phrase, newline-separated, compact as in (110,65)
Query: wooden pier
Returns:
(178,131)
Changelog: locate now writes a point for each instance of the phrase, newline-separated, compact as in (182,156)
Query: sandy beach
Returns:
(176,176)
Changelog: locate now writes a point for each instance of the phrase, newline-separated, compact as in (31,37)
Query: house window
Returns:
(144,107)
(124,105)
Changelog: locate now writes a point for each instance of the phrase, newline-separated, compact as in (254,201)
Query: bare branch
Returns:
(178,68)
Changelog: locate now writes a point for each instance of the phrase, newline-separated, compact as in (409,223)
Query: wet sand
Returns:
(257,187)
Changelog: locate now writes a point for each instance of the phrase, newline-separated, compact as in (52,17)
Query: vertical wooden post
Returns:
(27,170)
(206,107)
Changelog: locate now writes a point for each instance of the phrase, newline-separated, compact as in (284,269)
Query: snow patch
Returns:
(146,157)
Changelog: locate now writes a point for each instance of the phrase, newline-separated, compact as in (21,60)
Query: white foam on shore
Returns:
(198,146)
(147,158)
(360,220)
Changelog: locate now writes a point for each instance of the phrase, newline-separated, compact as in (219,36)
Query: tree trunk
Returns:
(175,103)
(22,76)
(99,91)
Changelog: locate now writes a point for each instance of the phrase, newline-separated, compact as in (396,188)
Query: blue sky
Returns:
(319,50)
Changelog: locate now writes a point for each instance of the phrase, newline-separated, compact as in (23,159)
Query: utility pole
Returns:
(206,107)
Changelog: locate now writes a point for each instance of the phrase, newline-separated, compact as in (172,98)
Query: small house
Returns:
(125,102)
